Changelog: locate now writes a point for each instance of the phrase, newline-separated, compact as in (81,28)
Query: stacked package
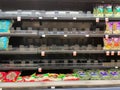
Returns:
(14,76)
(112,28)
(111,74)
(111,43)
(5,26)
(107,10)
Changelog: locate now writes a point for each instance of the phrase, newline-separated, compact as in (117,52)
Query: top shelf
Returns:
(63,1)
(51,15)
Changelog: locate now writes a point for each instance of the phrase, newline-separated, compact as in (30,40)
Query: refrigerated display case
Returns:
(51,36)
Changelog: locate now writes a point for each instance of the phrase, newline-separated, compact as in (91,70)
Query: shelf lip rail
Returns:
(91,83)
(54,66)
(51,15)
(38,33)
(52,51)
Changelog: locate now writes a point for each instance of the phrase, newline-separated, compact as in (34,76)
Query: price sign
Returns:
(112,53)
(97,20)
(74,18)
(106,19)
(74,53)
(39,69)
(18,18)
(106,36)
(87,35)
(107,53)
(43,53)
(40,17)
(65,35)
(43,35)
(118,53)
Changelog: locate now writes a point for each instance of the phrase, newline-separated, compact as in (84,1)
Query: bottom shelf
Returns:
(87,83)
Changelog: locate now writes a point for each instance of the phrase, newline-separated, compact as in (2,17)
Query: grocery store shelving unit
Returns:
(33,58)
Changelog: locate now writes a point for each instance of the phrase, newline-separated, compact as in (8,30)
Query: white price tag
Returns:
(118,53)
(39,69)
(106,19)
(107,53)
(43,35)
(55,18)
(112,53)
(52,87)
(106,36)
(40,17)
(87,35)
(116,67)
(74,18)
(74,53)
(43,53)
(97,20)
(65,35)
(18,18)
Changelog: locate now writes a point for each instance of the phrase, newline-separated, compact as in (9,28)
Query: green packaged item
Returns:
(108,11)
(83,75)
(104,75)
(114,75)
(95,11)
(5,26)
(98,11)
(94,75)
(4,43)
(116,11)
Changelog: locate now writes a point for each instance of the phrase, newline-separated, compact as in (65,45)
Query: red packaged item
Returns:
(70,77)
(108,43)
(116,43)
(26,78)
(30,79)
(2,76)
(11,76)
(46,80)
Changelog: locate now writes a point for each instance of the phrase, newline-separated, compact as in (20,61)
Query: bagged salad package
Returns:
(83,75)
(108,10)
(5,26)
(116,27)
(109,27)
(4,43)
(12,76)
(94,75)
(104,75)
(114,75)
(116,11)
(99,11)
(2,76)
(108,43)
